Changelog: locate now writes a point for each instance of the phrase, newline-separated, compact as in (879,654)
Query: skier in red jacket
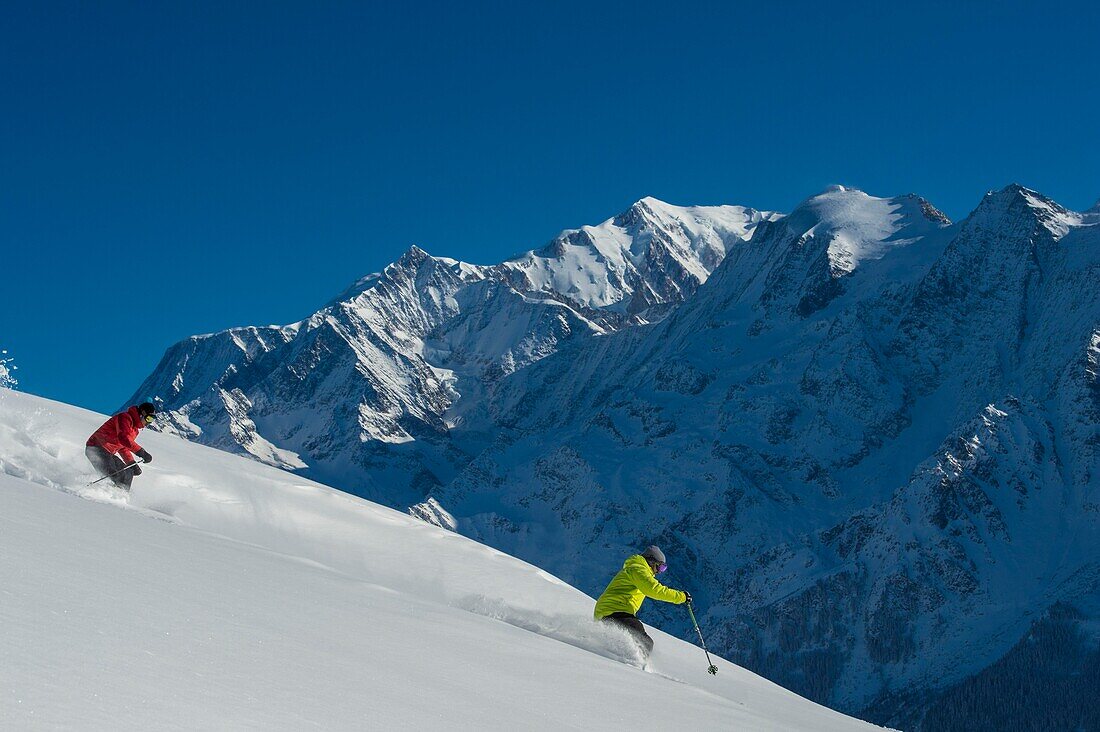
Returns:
(112,447)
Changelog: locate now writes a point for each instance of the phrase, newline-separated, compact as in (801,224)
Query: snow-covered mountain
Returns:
(225,594)
(400,355)
(872,434)
(634,267)
(868,441)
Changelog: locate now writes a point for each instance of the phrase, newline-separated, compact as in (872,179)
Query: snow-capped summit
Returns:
(637,264)
(798,264)
(854,226)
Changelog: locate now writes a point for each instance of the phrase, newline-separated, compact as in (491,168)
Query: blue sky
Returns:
(171,169)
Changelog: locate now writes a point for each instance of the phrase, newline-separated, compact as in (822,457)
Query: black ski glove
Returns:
(136,469)
(144,455)
(687,595)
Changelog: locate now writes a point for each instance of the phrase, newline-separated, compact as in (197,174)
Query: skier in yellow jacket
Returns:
(636,581)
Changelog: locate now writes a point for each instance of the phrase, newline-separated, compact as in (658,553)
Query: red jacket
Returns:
(119,434)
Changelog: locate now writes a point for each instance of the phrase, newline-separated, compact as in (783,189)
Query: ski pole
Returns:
(120,470)
(711,669)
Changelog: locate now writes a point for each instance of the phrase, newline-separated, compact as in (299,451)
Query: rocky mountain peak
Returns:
(413,257)
(930,212)
(1015,207)
(644,211)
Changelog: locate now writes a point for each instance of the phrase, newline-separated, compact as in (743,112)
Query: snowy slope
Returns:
(225,594)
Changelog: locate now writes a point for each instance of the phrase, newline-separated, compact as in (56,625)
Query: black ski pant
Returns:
(633,626)
(107,463)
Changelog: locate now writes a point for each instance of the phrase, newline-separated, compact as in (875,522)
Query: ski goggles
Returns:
(148,419)
(661,567)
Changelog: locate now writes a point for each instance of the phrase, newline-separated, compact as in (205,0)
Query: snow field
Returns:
(264,601)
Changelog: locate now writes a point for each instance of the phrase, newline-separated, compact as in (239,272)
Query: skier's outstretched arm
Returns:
(650,587)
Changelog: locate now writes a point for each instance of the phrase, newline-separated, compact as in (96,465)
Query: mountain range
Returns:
(866,436)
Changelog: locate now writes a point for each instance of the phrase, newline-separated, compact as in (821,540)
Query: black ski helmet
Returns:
(147,408)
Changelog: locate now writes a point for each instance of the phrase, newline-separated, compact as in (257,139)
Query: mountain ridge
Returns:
(425,331)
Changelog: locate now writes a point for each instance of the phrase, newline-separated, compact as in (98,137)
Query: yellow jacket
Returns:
(631,586)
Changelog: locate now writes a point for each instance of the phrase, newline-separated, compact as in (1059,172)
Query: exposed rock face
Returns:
(866,437)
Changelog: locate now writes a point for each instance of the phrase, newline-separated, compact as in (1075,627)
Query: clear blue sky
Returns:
(177,168)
